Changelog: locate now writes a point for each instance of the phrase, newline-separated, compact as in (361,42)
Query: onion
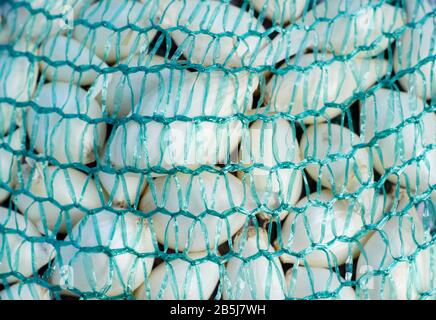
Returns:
(25,291)
(124,190)
(172,92)
(107,42)
(326,223)
(180,143)
(415,46)
(83,265)
(125,91)
(8,162)
(55,198)
(363,24)
(186,142)
(387,110)
(179,279)
(428,271)
(304,283)
(38,26)
(340,27)
(18,76)
(21,255)
(209,21)
(326,80)
(68,140)
(209,203)
(340,173)
(61,49)
(262,276)
(387,251)
(280,11)
(271,144)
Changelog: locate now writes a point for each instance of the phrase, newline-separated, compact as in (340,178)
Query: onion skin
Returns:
(66,187)
(20,255)
(262,278)
(97,271)
(300,280)
(179,280)
(195,194)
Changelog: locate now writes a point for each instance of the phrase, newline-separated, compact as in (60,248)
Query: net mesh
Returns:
(187,149)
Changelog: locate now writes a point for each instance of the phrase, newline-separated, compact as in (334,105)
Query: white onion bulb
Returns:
(83,266)
(124,189)
(304,283)
(187,143)
(398,238)
(340,173)
(66,195)
(271,144)
(353,24)
(21,254)
(196,195)
(172,92)
(178,279)
(125,91)
(326,80)
(326,228)
(61,49)
(340,27)
(26,24)
(216,18)
(110,44)
(68,140)
(261,278)
(280,11)
(416,45)
(180,143)
(389,109)
(18,76)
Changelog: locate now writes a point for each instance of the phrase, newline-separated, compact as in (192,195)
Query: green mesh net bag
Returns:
(187,149)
